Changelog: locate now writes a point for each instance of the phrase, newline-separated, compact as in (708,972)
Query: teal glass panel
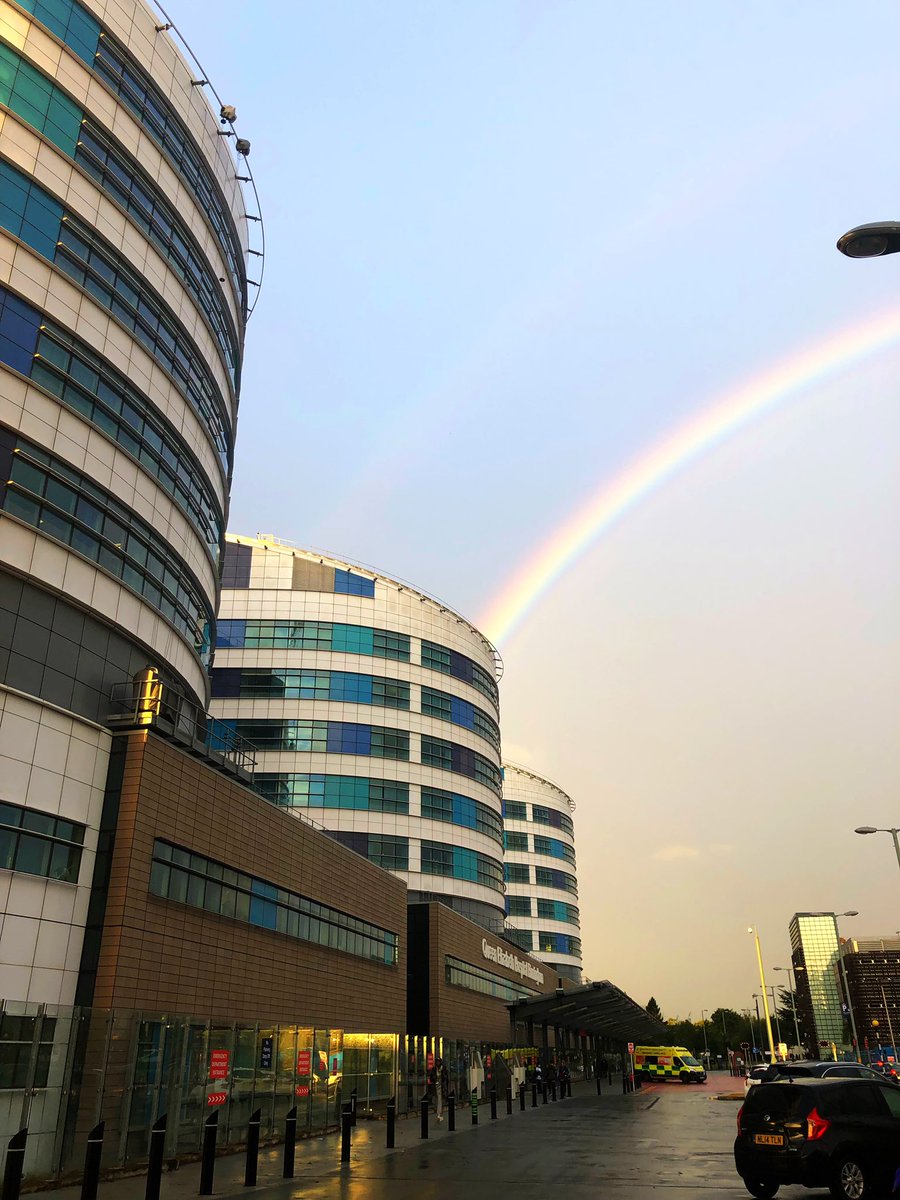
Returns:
(352,639)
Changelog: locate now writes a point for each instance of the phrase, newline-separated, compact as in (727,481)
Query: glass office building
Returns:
(539,865)
(819,997)
(375,713)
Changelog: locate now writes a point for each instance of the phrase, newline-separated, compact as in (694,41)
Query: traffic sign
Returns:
(304,1062)
(302,1089)
(745,1045)
(631,1047)
(215,1098)
(218,1064)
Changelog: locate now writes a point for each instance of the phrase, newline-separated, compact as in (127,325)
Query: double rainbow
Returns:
(726,416)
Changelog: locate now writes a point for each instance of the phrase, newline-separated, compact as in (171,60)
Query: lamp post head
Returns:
(865,829)
(852,912)
(871,240)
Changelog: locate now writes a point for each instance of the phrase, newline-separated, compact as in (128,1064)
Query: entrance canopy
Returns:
(600,1009)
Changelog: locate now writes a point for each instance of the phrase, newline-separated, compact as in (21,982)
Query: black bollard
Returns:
(208,1153)
(521,1097)
(155,1159)
(534,1095)
(423,1113)
(451,1112)
(493,1104)
(599,1084)
(509,1101)
(391,1120)
(474,1106)
(252,1148)
(92,1157)
(290,1142)
(353,1107)
(346,1124)
(15,1157)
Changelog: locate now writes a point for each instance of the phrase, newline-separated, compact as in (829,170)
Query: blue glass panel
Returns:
(465,864)
(353,585)
(352,639)
(263,912)
(462,712)
(348,686)
(231,634)
(463,811)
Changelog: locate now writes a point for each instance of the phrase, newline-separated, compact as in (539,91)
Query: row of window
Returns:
(352,639)
(49,495)
(550,910)
(299,790)
(548,877)
(549,943)
(351,688)
(517,810)
(347,737)
(553,847)
(38,843)
(82,33)
(17,1041)
(46,108)
(385,851)
(177,874)
(476,979)
(458,862)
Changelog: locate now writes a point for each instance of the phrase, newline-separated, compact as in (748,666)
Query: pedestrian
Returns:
(551,1080)
(564,1077)
(442,1088)
(539,1076)
(431,1086)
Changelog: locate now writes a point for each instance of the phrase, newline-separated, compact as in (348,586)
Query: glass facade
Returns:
(814,943)
(39,843)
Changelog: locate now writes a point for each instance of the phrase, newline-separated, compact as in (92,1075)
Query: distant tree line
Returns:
(726,1027)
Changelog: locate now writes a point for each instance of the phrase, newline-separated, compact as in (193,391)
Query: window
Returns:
(449,756)
(319,635)
(514,810)
(19,1036)
(551,878)
(350,584)
(476,979)
(310,685)
(515,841)
(554,848)
(458,862)
(335,737)
(558,910)
(49,495)
(518,906)
(559,943)
(451,708)
(449,662)
(37,843)
(295,790)
(439,805)
(38,101)
(516,872)
(177,874)
(69,22)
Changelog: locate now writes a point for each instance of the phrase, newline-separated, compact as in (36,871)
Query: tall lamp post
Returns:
(703,1012)
(893,832)
(790,973)
(852,912)
(765,999)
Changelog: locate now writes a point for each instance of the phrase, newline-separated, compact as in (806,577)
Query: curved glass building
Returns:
(375,712)
(123,304)
(541,883)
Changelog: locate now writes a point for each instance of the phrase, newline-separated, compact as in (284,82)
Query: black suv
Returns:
(843,1134)
(823,1070)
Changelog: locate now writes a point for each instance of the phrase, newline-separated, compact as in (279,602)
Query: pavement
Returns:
(665,1141)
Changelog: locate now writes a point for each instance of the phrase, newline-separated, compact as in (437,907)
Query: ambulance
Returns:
(667,1062)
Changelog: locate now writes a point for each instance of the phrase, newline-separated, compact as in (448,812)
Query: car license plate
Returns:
(768,1139)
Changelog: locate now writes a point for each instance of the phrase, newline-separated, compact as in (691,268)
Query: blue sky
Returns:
(510,246)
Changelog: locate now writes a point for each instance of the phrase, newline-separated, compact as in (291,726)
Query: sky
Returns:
(513,246)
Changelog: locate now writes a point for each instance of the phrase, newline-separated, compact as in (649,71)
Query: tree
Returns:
(653,1008)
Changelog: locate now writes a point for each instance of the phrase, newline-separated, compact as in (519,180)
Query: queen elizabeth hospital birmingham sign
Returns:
(503,958)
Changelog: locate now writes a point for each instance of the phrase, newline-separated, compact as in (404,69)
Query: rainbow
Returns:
(726,416)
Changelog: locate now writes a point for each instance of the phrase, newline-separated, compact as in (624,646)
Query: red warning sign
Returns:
(215,1098)
(218,1064)
(302,1089)
(304,1062)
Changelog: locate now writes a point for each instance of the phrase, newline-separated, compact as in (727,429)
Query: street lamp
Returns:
(870,241)
(703,1012)
(790,973)
(892,832)
(765,999)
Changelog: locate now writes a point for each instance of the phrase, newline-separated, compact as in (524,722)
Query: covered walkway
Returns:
(596,1016)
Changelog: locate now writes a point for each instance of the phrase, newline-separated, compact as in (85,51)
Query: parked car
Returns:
(841,1133)
(822,1070)
(757,1074)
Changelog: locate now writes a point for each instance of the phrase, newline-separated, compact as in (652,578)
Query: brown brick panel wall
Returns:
(157,955)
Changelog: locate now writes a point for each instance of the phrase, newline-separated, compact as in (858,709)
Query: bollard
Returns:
(155,1158)
(509,1101)
(208,1153)
(353,1108)
(290,1142)
(423,1109)
(493,1104)
(391,1120)
(474,1106)
(521,1097)
(15,1157)
(534,1095)
(252,1148)
(451,1112)
(346,1123)
(92,1158)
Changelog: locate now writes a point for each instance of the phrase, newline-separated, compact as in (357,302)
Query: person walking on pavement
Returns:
(442,1088)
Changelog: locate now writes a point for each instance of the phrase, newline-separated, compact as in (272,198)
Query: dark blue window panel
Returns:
(263,912)
(353,585)
(27,211)
(460,666)
(462,712)
(19,327)
(464,811)
(230,635)
(358,842)
(463,760)
(347,738)
(354,689)
(226,681)
(236,565)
